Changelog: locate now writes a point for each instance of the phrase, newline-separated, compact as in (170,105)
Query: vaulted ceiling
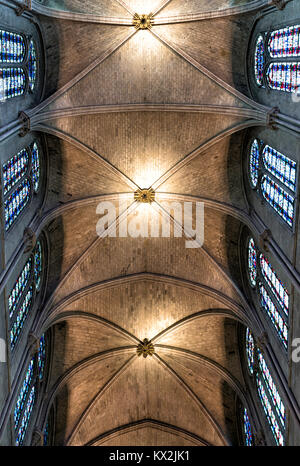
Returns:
(127,109)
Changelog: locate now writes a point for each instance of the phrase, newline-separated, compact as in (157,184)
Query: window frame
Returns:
(24,37)
(253,382)
(37,293)
(24,64)
(268,60)
(40,386)
(263,171)
(27,175)
(256,297)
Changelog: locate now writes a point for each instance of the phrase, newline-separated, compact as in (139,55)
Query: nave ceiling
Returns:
(125,109)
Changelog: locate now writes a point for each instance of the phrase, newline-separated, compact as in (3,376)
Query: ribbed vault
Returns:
(135,109)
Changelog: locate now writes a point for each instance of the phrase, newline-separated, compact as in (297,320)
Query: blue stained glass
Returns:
(35,167)
(21,431)
(279,199)
(15,204)
(276,430)
(285,42)
(46,434)
(14,169)
(42,357)
(247,430)
(250,350)
(18,324)
(32,65)
(19,287)
(38,263)
(254,163)
(275,283)
(23,393)
(280,166)
(271,387)
(12,47)
(284,76)
(12,83)
(252,262)
(259,58)
(278,322)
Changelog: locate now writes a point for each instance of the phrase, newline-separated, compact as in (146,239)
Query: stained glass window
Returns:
(275,283)
(28,393)
(259,60)
(279,199)
(271,400)
(21,430)
(254,163)
(19,321)
(38,258)
(250,350)
(16,202)
(268,409)
(19,287)
(268,393)
(16,80)
(285,42)
(35,167)
(271,388)
(42,357)
(12,47)
(277,320)
(23,393)
(284,76)
(252,262)
(280,166)
(247,430)
(12,83)
(14,169)
(32,65)
(46,434)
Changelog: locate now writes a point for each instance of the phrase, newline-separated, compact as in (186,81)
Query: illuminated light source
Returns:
(145,196)
(143,21)
(146,348)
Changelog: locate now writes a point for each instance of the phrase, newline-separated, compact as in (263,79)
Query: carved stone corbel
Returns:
(264,239)
(280,4)
(33,343)
(260,440)
(273,112)
(29,238)
(37,438)
(22,8)
(25,120)
(262,340)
